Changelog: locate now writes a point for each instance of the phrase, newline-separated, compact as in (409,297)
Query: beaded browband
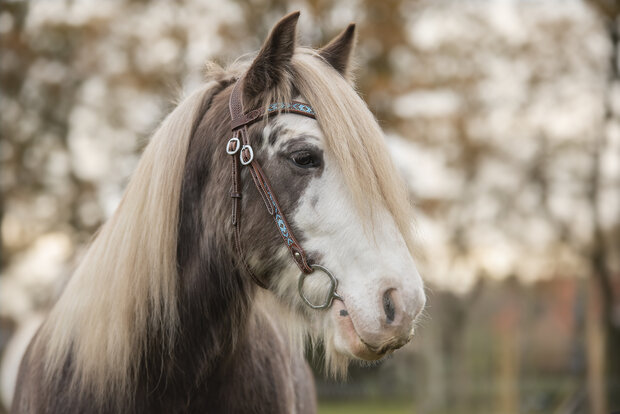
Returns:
(248,118)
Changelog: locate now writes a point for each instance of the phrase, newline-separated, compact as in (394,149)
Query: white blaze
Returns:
(366,258)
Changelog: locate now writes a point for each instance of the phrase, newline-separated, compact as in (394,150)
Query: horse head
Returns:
(340,197)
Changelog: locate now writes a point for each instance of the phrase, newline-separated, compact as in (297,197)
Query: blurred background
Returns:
(504,117)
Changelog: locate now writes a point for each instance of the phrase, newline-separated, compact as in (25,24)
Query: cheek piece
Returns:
(240,144)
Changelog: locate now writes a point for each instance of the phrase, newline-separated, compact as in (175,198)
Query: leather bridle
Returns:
(240,144)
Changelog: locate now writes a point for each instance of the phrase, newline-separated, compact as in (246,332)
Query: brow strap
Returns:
(242,154)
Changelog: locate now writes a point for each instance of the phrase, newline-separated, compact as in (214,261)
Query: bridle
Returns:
(240,144)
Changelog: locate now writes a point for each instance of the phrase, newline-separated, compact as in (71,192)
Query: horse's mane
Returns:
(126,284)
(127,279)
(356,141)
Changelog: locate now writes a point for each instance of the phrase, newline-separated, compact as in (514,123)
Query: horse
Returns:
(190,299)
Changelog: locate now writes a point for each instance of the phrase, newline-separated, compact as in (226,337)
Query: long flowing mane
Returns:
(127,280)
(355,139)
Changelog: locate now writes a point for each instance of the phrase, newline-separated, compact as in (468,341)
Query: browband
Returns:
(293,107)
(240,144)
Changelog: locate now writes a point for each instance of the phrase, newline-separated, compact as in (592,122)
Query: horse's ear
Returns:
(338,52)
(272,62)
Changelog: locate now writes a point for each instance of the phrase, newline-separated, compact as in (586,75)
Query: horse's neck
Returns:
(214,308)
(233,354)
(213,298)
(251,371)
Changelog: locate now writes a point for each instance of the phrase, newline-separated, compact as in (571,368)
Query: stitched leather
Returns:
(239,127)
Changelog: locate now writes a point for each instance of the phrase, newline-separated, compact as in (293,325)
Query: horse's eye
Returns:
(305,159)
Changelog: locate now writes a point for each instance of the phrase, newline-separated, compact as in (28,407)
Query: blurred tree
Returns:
(517,191)
(492,111)
(606,244)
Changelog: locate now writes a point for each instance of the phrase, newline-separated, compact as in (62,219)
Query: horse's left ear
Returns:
(271,65)
(338,52)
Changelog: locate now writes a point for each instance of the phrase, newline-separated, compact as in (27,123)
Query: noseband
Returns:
(240,144)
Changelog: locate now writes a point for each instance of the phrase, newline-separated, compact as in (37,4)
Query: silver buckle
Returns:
(237,145)
(332,288)
(251,155)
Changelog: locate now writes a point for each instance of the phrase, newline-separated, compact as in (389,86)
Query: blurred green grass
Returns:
(365,407)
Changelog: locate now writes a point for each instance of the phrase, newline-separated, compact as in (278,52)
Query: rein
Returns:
(240,144)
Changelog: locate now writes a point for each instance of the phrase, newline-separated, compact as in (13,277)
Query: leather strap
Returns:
(242,154)
(294,107)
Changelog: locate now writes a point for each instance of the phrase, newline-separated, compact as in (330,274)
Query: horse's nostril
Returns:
(388,306)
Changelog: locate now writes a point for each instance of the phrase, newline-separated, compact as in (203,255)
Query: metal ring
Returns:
(251,154)
(237,145)
(332,288)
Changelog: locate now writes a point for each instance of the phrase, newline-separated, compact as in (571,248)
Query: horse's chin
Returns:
(347,341)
